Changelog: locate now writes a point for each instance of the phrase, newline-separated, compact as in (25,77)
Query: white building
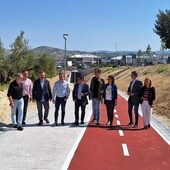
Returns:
(86,58)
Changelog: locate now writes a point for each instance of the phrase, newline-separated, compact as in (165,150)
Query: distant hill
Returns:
(59,53)
(55,52)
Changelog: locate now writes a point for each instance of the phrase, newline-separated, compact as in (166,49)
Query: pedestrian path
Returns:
(78,148)
(120,147)
(40,148)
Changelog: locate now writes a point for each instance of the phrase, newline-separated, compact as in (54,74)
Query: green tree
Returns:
(162,27)
(139,53)
(2,62)
(148,50)
(20,52)
(46,63)
(163,47)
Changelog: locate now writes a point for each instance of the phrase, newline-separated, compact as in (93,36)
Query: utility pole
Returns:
(65,57)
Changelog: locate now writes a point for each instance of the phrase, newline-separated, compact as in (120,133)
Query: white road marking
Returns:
(116,116)
(118,122)
(125,150)
(73,149)
(115,111)
(121,133)
(155,126)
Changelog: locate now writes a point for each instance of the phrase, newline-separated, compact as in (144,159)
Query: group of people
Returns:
(22,90)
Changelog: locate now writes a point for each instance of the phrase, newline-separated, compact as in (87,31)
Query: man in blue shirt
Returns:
(61,92)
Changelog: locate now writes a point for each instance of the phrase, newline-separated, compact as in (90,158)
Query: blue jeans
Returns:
(18,104)
(96,108)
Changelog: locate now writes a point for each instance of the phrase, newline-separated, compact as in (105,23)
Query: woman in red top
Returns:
(147,97)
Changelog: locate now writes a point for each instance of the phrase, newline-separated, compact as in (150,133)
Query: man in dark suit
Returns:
(42,94)
(80,92)
(134,98)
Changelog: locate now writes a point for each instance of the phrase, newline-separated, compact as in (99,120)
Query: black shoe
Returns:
(82,123)
(20,128)
(40,123)
(93,120)
(135,126)
(15,126)
(55,124)
(97,123)
(47,121)
(145,127)
(63,123)
(76,123)
(24,123)
(131,123)
(149,126)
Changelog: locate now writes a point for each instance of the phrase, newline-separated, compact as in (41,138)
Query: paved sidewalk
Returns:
(40,148)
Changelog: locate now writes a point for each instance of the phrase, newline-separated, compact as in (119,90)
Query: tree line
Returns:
(21,57)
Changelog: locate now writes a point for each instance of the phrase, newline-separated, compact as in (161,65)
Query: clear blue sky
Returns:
(91,24)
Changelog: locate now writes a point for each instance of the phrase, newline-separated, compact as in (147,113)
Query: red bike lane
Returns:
(120,147)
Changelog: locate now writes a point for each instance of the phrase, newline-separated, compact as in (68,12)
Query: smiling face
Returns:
(25,74)
(97,72)
(19,78)
(147,82)
(61,76)
(110,79)
(133,76)
(79,80)
(42,75)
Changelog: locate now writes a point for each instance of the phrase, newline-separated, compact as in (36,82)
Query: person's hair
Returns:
(24,70)
(61,73)
(98,70)
(80,77)
(134,73)
(112,78)
(18,75)
(146,79)
(40,72)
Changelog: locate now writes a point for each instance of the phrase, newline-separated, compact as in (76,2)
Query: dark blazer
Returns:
(114,92)
(136,90)
(152,95)
(100,88)
(38,92)
(85,91)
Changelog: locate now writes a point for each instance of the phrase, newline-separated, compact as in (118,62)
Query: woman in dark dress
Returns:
(110,98)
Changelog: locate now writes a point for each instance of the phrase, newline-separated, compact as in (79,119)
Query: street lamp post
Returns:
(65,58)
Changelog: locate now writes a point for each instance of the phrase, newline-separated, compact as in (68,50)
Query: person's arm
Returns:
(73,93)
(87,91)
(154,93)
(9,94)
(138,89)
(30,90)
(68,90)
(115,92)
(34,91)
(54,93)
(49,91)
(91,84)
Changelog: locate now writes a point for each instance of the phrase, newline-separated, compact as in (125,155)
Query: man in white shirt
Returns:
(61,92)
